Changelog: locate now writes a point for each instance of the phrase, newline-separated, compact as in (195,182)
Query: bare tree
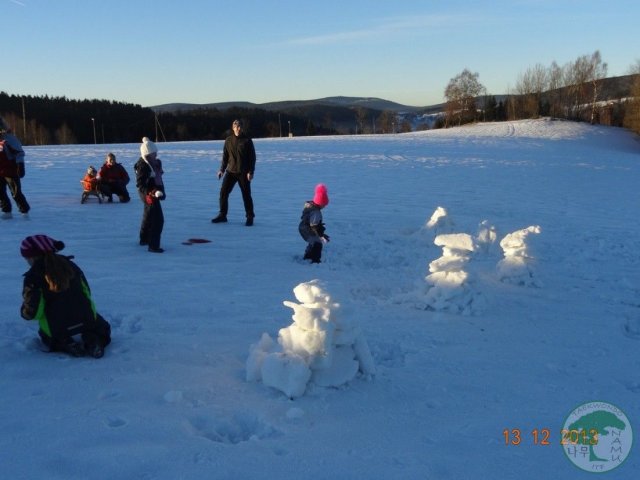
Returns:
(13,121)
(361,119)
(634,68)
(530,86)
(386,121)
(583,75)
(555,78)
(405,126)
(597,71)
(37,134)
(64,135)
(461,93)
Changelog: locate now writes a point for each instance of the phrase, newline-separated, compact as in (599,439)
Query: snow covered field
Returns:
(170,399)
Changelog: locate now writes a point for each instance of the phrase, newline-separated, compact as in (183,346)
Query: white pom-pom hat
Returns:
(147,147)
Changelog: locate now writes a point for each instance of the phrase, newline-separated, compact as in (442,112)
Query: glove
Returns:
(220,173)
(21,169)
(154,195)
(326,237)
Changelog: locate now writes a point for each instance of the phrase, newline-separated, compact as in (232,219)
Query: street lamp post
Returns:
(93,121)
(290,134)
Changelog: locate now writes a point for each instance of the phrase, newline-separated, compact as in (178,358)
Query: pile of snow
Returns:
(440,222)
(449,286)
(320,346)
(486,238)
(517,265)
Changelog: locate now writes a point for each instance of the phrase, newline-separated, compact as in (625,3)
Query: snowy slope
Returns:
(170,398)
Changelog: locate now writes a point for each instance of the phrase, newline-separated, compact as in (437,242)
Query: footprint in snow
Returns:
(241,427)
(115,422)
(109,395)
(631,328)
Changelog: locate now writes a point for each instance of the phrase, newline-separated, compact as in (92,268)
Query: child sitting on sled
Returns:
(90,185)
(311,227)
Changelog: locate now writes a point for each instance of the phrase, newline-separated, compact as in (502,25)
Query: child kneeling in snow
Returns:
(57,294)
(311,227)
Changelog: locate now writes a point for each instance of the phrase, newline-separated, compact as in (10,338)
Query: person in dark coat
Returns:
(151,190)
(311,227)
(238,165)
(113,180)
(11,171)
(56,293)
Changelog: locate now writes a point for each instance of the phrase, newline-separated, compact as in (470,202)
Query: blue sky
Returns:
(200,51)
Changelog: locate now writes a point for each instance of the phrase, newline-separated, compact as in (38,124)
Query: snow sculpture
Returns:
(517,265)
(440,221)
(321,346)
(487,236)
(449,288)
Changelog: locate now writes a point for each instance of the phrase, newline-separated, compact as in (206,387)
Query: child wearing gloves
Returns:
(311,227)
(150,187)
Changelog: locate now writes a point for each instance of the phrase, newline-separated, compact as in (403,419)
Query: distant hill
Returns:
(45,120)
(611,88)
(369,103)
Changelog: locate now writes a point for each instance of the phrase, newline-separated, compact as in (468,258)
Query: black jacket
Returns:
(61,314)
(238,155)
(145,182)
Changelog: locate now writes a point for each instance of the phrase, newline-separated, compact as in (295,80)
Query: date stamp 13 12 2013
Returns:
(595,437)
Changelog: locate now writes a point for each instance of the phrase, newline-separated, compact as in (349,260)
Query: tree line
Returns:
(48,120)
(578,90)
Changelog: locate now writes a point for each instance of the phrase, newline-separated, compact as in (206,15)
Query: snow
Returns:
(320,346)
(537,232)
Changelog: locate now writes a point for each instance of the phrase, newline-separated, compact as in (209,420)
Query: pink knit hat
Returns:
(321,198)
(37,245)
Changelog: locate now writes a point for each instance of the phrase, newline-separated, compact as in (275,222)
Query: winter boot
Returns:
(219,219)
(70,346)
(313,252)
(95,351)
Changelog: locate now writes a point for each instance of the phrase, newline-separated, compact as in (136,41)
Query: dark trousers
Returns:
(16,192)
(96,333)
(228,182)
(152,223)
(114,188)
(313,252)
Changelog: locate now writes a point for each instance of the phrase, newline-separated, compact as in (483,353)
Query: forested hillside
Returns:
(559,92)
(59,120)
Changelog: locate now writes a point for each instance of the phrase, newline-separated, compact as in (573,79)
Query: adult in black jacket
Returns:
(57,294)
(238,165)
(151,190)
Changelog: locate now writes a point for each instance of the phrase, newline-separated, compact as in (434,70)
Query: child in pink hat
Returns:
(311,227)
